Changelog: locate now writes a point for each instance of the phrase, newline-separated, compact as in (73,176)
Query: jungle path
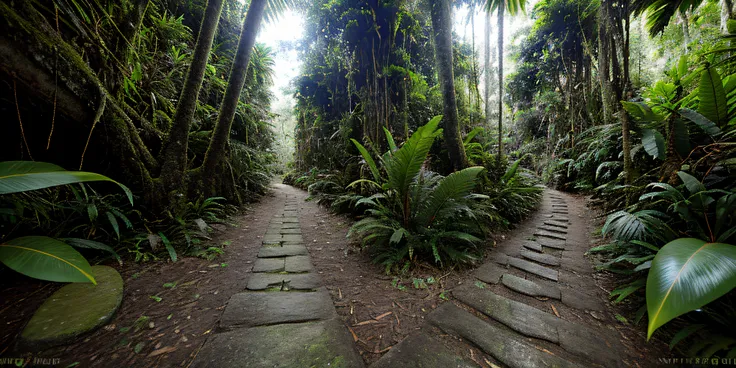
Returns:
(533,303)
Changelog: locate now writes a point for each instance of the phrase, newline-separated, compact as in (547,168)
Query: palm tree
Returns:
(514,7)
(442,31)
(174,154)
(660,12)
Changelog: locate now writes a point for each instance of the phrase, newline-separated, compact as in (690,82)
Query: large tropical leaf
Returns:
(368,159)
(407,161)
(713,103)
(22,176)
(452,188)
(46,259)
(659,13)
(706,125)
(687,274)
(653,143)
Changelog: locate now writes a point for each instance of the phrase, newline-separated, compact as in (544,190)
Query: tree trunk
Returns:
(726,14)
(442,29)
(488,69)
(216,150)
(174,154)
(501,10)
(603,63)
(685,30)
(626,138)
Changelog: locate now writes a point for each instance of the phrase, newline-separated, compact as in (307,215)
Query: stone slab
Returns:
(251,309)
(553,229)
(547,259)
(290,231)
(549,234)
(289,250)
(268,265)
(592,345)
(489,273)
(296,238)
(563,219)
(503,345)
(419,350)
(534,268)
(298,264)
(74,310)
(558,224)
(290,225)
(559,212)
(551,243)
(576,299)
(530,288)
(302,282)
(314,344)
(517,316)
(290,219)
(532,245)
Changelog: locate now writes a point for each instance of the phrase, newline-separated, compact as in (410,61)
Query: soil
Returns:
(379,310)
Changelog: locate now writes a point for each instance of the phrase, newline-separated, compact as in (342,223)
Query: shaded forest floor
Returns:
(169,310)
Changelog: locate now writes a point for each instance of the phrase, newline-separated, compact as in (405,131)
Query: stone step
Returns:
(501,344)
(553,229)
(558,224)
(251,309)
(298,264)
(419,350)
(530,288)
(557,217)
(547,259)
(534,268)
(532,245)
(524,319)
(489,272)
(269,265)
(288,250)
(559,212)
(314,344)
(551,243)
(263,281)
(549,234)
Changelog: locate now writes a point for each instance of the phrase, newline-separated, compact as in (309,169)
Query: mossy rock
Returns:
(75,309)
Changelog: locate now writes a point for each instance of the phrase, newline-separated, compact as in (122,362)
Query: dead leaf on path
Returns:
(164,350)
(555,310)
(383,315)
(355,337)
(385,350)
(339,293)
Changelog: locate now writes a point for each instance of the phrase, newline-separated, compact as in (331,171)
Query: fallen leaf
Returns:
(383,315)
(164,350)
(555,310)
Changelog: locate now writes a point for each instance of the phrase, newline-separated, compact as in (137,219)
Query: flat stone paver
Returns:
(296,238)
(298,264)
(551,243)
(583,341)
(534,268)
(290,231)
(576,299)
(549,234)
(519,317)
(250,309)
(263,281)
(530,288)
(529,244)
(503,345)
(419,350)
(558,224)
(315,344)
(268,265)
(547,259)
(287,250)
(489,273)
(553,229)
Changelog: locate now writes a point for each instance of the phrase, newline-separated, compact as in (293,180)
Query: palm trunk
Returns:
(501,10)
(174,153)
(216,150)
(442,29)
(603,63)
(487,67)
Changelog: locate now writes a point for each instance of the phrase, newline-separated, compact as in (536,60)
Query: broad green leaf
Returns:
(169,247)
(682,138)
(453,187)
(390,140)
(368,159)
(653,143)
(687,274)
(399,234)
(682,66)
(91,244)
(640,111)
(706,125)
(45,258)
(22,176)
(713,104)
(692,184)
(472,135)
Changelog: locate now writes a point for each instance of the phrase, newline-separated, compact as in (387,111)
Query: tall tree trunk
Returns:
(174,154)
(604,54)
(216,150)
(501,10)
(727,14)
(685,30)
(488,68)
(442,29)
(626,138)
